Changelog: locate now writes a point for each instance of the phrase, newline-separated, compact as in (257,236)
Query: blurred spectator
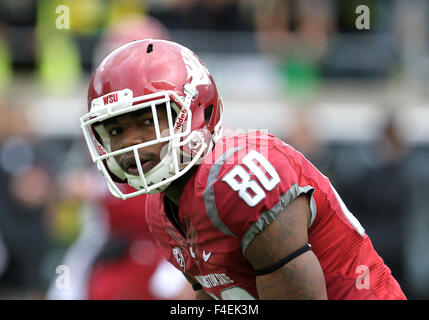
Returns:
(296,33)
(291,27)
(303,137)
(115,257)
(129,28)
(25,195)
(57,57)
(377,194)
(5,65)
(91,18)
(201,15)
(130,264)
(17,21)
(18,13)
(380,201)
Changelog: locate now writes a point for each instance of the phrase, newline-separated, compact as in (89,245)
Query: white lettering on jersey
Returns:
(177,252)
(214,280)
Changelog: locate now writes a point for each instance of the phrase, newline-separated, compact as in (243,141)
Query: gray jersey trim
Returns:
(268,216)
(208,194)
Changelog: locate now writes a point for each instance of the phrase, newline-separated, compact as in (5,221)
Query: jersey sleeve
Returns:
(256,185)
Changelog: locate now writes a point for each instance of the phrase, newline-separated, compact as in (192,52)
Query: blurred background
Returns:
(355,102)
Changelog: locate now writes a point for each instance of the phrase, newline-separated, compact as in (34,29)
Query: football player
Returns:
(244,217)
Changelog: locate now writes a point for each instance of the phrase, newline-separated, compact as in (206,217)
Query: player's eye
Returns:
(148,122)
(115,131)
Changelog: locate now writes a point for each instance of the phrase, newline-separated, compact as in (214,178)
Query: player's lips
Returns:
(129,165)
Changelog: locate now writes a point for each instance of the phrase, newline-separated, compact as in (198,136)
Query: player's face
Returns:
(135,128)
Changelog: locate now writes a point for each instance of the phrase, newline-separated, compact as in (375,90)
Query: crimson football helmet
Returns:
(146,74)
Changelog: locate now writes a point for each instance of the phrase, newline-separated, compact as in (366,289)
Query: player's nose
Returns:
(133,135)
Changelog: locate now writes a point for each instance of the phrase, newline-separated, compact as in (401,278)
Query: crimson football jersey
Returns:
(236,192)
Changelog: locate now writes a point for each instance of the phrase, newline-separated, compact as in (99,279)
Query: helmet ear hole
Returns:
(208,112)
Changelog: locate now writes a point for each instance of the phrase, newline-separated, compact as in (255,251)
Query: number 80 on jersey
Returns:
(248,189)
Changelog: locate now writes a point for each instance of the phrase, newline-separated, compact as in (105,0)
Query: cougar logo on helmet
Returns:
(197,73)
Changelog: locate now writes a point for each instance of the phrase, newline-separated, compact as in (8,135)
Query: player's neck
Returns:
(175,189)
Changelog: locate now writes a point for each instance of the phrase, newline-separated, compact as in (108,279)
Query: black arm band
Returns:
(197,286)
(282,262)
